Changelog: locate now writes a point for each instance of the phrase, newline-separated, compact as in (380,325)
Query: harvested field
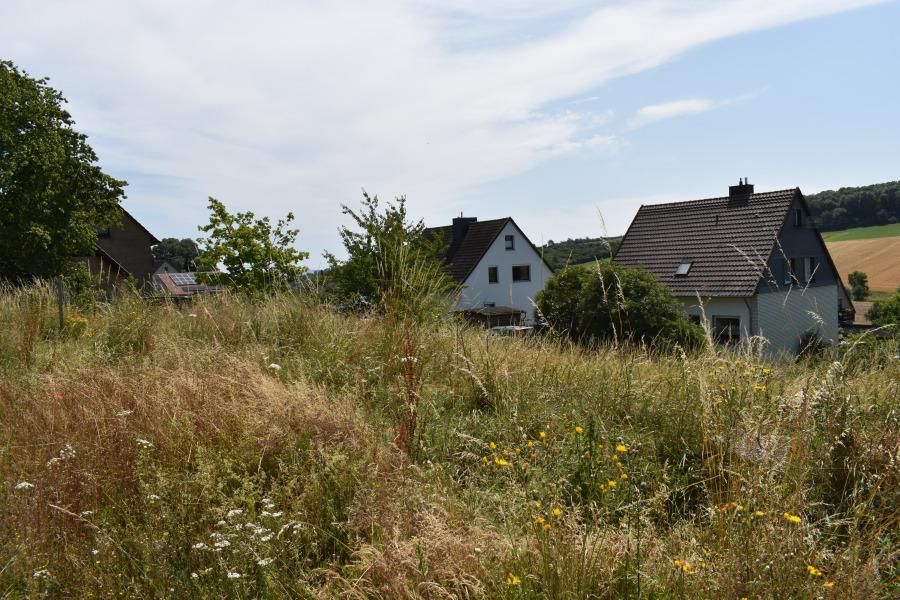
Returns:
(879,258)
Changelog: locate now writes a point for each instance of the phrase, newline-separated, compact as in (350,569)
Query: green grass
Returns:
(862,233)
(248,448)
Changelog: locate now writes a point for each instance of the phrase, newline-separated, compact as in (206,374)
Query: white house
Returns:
(753,265)
(497,267)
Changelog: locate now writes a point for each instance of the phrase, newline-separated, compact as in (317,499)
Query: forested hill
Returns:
(577,251)
(863,206)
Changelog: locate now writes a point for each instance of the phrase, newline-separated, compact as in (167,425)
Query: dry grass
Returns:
(171,450)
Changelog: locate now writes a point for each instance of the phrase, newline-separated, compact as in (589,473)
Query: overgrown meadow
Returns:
(274,447)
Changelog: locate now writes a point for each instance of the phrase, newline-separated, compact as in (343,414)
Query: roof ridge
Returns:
(698,200)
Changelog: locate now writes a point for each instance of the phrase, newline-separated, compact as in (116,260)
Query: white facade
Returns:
(478,291)
(781,318)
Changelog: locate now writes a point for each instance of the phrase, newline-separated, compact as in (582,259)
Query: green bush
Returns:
(607,302)
(886,312)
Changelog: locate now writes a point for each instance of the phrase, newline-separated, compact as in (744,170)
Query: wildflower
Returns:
(795,519)
(542,435)
(518,451)
(275,367)
(676,563)
(41,574)
(624,476)
(578,429)
(537,503)
(828,585)
(760,513)
(512,579)
(145,444)
(530,444)
(233,575)
(24,485)
(484,459)
(611,483)
(766,371)
(194,576)
(499,461)
(152,497)
(813,572)
(539,520)
(274,515)
(124,413)
(200,546)
(264,562)
(493,446)
(621,448)
(546,526)
(760,388)
(192,315)
(557,511)
(411,359)
(234,513)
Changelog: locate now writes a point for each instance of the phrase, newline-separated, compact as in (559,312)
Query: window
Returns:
(727,329)
(798,217)
(809,269)
(493,275)
(683,269)
(521,273)
(510,242)
(790,267)
(490,304)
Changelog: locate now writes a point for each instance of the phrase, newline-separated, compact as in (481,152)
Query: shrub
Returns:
(607,302)
(886,312)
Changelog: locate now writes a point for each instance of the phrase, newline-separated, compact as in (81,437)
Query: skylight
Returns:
(683,269)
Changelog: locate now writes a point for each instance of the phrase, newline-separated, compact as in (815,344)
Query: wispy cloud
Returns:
(680,108)
(295,106)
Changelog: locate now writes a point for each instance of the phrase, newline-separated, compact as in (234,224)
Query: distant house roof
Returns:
(184,284)
(472,240)
(711,247)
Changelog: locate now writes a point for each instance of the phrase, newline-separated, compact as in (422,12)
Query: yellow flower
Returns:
(766,371)
(530,444)
(578,429)
(518,451)
(676,563)
(557,511)
(624,476)
(611,483)
(828,584)
(760,513)
(493,446)
(500,461)
(795,519)
(484,459)
(512,579)
(621,448)
(761,388)
(813,572)
(546,526)
(539,520)
(537,503)
(542,435)
(614,457)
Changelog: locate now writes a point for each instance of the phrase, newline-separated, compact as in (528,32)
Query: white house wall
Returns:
(477,292)
(784,316)
(742,308)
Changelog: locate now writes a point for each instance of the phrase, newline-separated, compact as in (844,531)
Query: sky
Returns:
(565,115)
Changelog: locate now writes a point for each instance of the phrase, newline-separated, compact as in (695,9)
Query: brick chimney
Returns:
(461,227)
(741,190)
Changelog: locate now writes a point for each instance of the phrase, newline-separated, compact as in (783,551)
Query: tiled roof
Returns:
(462,257)
(728,242)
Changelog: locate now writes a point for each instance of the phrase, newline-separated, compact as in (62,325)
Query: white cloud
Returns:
(670,110)
(282,105)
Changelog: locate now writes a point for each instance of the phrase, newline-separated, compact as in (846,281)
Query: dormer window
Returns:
(683,268)
(510,242)
(798,217)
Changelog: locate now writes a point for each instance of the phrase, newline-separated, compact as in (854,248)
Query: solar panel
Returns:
(183,279)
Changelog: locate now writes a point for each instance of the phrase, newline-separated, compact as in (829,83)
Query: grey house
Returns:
(123,251)
(752,265)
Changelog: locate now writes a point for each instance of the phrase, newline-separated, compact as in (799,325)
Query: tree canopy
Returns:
(384,243)
(578,251)
(53,195)
(255,255)
(877,204)
(608,302)
(181,254)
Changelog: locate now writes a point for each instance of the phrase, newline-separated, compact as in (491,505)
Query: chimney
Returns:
(461,227)
(743,189)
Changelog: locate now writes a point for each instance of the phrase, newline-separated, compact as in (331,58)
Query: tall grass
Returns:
(249,448)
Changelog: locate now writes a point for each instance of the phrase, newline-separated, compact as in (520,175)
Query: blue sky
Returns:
(566,117)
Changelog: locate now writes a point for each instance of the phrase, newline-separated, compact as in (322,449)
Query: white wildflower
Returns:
(235,512)
(124,413)
(193,315)
(86,513)
(233,575)
(266,537)
(24,485)
(152,497)
(411,359)
(145,444)
(200,546)
(194,576)
(41,574)
(264,562)
(222,544)
(267,503)
(274,515)
(275,367)
(95,552)
(221,523)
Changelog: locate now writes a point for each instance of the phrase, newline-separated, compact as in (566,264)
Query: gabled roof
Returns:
(463,255)
(727,241)
(153,239)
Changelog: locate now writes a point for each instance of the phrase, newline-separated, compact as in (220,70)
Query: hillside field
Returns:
(272,447)
(873,250)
